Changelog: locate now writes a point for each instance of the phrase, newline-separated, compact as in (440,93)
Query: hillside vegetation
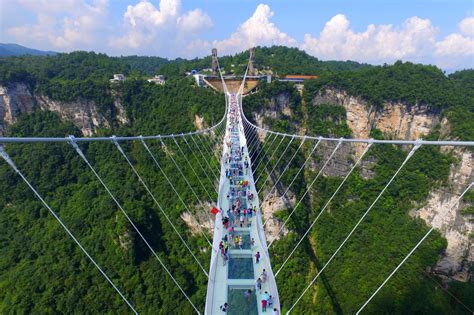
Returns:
(411,84)
(389,232)
(43,271)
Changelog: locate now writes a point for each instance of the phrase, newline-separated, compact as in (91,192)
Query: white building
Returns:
(118,78)
(158,79)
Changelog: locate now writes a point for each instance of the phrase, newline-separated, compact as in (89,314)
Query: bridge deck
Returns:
(229,280)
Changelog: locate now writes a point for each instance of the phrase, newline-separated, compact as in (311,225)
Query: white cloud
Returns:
(47,6)
(466,26)
(415,40)
(40,32)
(159,27)
(455,45)
(457,49)
(66,25)
(198,45)
(163,30)
(377,44)
(257,30)
(194,20)
(145,12)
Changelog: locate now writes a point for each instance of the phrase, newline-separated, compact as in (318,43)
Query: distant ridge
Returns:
(18,50)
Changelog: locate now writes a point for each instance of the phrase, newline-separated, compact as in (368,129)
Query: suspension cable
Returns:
(324,208)
(172,187)
(269,159)
(284,170)
(81,154)
(10,162)
(217,141)
(262,149)
(208,146)
(241,88)
(213,148)
(205,161)
(307,190)
(410,154)
(257,144)
(376,141)
(252,144)
(294,178)
(192,168)
(427,275)
(135,138)
(188,183)
(276,164)
(409,254)
(200,165)
(185,179)
(254,156)
(140,179)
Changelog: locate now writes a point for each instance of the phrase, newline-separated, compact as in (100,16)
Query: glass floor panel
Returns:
(246,238)
(240,304)
(240,268)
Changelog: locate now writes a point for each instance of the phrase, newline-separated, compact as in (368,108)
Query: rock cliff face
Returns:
(269,206)
(442,212)
(397,121)
(17,99)
(409,122)
(14,100)
(198,122)
(275,108)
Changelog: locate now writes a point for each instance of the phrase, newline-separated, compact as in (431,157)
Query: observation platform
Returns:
(232,84)
(230,278)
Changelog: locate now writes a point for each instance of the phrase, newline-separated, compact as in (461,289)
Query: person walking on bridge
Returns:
(224,307)
(226,246)
(264,305)
(258,285)
(264,275)
(257,257)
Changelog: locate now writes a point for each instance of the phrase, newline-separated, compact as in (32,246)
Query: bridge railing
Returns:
(261,231)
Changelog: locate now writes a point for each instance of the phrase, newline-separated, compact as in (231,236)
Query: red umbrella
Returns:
(214,211)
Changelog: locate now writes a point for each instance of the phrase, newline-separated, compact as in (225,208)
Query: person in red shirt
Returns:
(264,305)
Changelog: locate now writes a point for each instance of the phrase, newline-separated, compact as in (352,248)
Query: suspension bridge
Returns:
(240,265)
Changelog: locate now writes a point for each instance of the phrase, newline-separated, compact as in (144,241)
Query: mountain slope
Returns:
(403,101)
(18,50)
(41,271)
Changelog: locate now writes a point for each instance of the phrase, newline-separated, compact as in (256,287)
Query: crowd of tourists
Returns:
(241,209)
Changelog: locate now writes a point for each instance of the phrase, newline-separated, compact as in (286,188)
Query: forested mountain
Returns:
(42,271)
(18,50)
(410,84)
(279,60)
(370,102)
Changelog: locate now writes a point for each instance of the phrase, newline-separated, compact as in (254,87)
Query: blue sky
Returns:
(299,17)
(373,31)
